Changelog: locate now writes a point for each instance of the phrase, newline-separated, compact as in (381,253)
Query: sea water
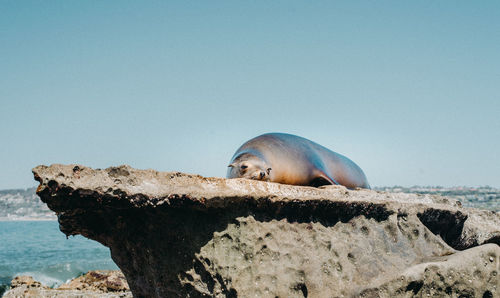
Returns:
(40,249)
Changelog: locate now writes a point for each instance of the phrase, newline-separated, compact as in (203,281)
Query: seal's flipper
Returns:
(323,179)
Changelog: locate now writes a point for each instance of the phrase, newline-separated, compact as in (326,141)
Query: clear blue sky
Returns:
(409,90)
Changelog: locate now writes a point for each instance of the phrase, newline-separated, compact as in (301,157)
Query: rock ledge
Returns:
(175,234)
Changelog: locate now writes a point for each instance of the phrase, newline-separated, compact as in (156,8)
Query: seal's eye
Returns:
(244,167)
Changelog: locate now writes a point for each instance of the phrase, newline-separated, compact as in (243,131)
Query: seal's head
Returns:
(250,167)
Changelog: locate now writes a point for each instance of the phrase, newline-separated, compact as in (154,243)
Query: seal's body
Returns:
(290,159)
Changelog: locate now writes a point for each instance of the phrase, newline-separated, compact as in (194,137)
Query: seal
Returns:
(290,159)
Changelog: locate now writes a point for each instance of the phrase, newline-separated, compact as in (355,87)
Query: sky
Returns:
(409,90)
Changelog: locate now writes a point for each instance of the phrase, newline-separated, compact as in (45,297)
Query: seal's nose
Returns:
(262,174)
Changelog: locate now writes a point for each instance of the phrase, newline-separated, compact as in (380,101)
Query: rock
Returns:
(179,235)
(105,283)
(26,281)
(98,281)
(470,273)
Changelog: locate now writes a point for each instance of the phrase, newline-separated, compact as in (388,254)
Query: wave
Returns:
(56,275)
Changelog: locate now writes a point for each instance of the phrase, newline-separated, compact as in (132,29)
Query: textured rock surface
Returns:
(469,273)
(174,234)
(107,284)
(98,281)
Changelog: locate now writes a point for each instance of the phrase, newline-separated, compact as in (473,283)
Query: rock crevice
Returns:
(174,234)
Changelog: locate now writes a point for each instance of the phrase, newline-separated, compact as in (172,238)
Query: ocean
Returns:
(39,249)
